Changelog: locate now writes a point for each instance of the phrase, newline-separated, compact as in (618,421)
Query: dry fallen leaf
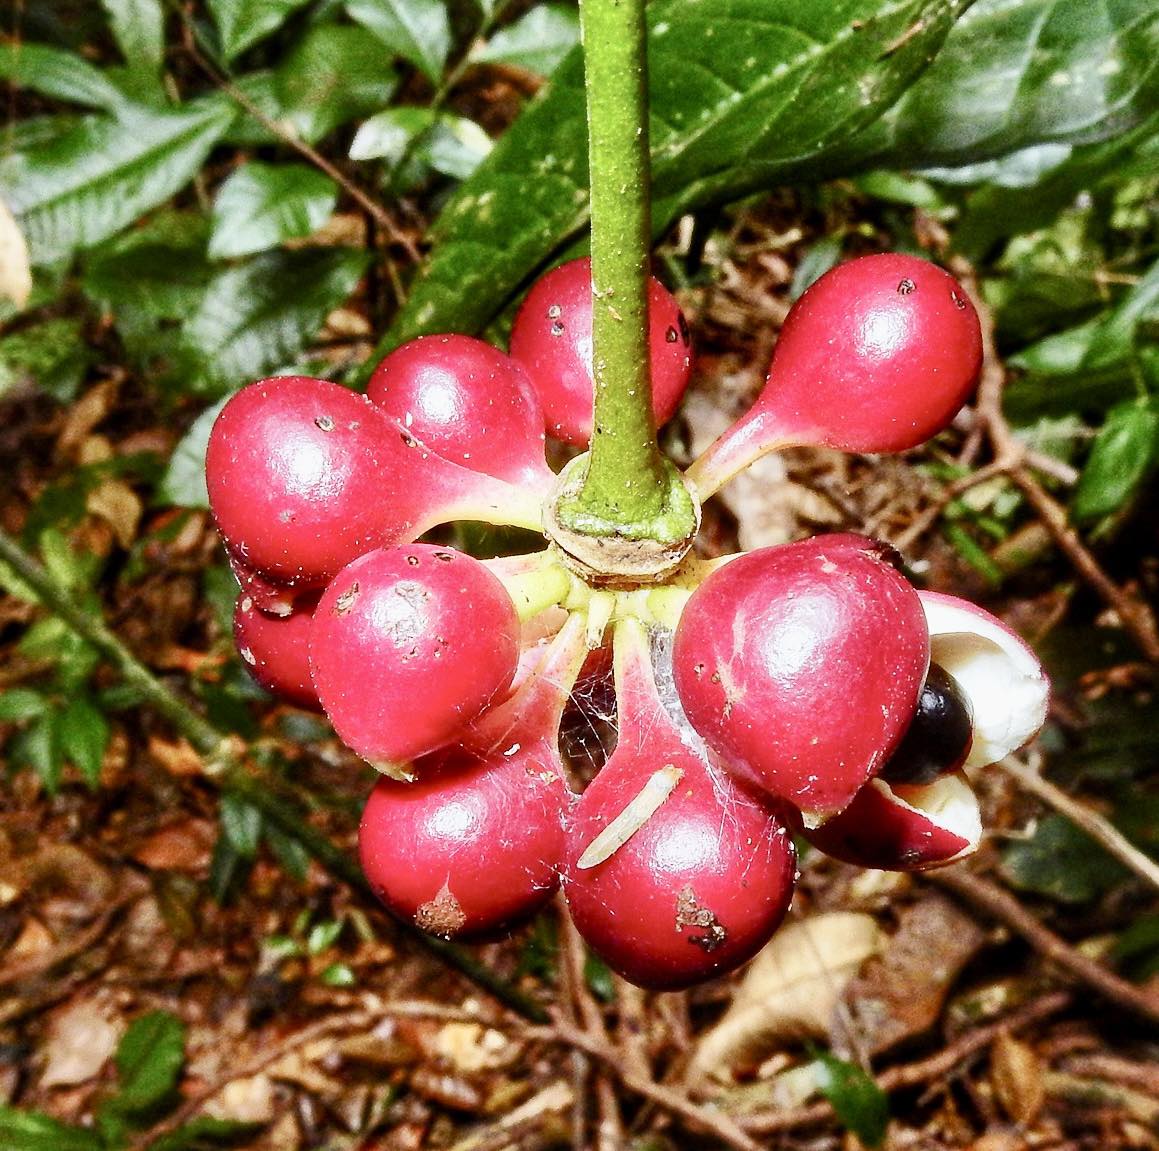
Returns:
(15,269)
(901,993)
(82,1037)
(789,992)
(244,1101)
(1016,1073)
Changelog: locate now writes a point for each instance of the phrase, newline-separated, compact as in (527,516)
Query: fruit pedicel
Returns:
(805,690)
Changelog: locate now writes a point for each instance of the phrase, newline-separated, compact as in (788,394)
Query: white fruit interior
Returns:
(949,802)
(1002,677)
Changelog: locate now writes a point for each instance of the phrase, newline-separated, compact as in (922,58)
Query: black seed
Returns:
(939,735)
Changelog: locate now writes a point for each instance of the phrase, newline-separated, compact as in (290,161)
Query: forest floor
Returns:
(996,1004)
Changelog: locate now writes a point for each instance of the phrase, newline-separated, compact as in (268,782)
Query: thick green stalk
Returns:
(628,487)
(224,764)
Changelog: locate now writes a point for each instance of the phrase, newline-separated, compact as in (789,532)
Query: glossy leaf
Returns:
(149,1060)
(58,74)
(417,30)
(102,175)
(138,26)
(183,484)
(1124,452)
(743,94)
(1032,864)
(261,205)
(387,135)
(537,41)
(241,824)
(259,316)
(18,704)
(243,23)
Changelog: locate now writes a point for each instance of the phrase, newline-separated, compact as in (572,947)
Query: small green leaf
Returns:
(138,26)
(38,747)
(104,174)
(860,1104)
(1034,864)
(243,23)
(334,74)
(57,74)
(1123,453)
(18,704)
(262,205)
(417,30)
(52,357)
(257,317)
(33,1131)
(388,135)
(455,146)
(537,41)
(338,975)
(84,737)
(289,852)
(323,936)
(241,824)
(149,1060)
(599,978)
(183,484)
(822,256)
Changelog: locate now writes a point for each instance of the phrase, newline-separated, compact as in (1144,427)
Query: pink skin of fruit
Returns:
(552,338)
(904,828)
(477,841)
(467,402)
(801,667)
(305,476)
(408,646)
(276,599)
(877,356)
(276,650)
(703,881)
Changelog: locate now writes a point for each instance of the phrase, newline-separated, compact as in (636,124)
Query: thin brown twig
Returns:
(1096,826)
(920,1071)
(1001,905)
(715,1123)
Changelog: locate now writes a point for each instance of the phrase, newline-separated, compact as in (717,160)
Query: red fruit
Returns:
(305,476)
(706,871)
(801,666)
(877,356)
(895,827)
(477,840)
(552,338)
(408,646)
(467,402)
(276,650)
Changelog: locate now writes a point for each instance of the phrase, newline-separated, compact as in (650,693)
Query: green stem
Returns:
(628,488)
(225,767)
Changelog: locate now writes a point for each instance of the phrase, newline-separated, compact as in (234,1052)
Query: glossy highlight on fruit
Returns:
(408,646)
(674,873)
(552,338)
(801,666)
(467,402)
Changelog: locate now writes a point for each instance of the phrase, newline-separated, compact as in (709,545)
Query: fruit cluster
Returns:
(801,690)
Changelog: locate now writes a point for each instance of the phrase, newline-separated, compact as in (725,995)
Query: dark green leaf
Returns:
(241,824)
(18,704)
(599,978)
(227,870)
(243,23)
(744,94)
(57,74)
(815,263)
(333,75)
(84,736)
(149,1060)
(32,1131)
(537,41)
(259,316)
(183,484)
(51,357)
(1137,949)
(38,747)
(262,205)
(289,852)
(1123,454)
(1061,862)
(417,30)
(101,176)
(860,1104)
(138,26)
(338,975)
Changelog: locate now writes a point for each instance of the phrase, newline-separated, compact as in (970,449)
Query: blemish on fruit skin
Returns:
(689,913)
(324,424)
(346,600)
(442,916)
(906,286)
